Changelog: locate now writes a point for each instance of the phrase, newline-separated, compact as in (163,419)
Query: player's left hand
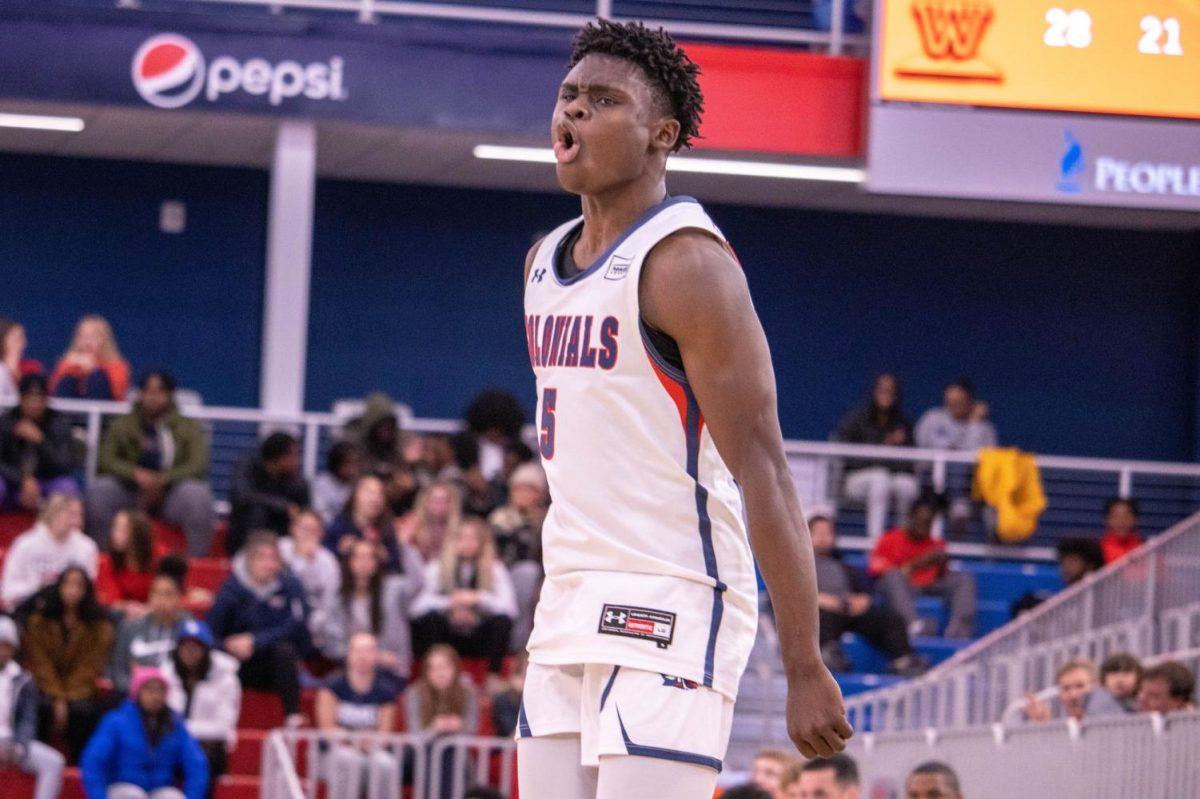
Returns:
(815,714)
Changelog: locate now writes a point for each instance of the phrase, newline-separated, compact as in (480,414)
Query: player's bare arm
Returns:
(694,291)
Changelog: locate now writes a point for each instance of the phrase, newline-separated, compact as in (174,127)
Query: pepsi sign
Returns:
(169,71)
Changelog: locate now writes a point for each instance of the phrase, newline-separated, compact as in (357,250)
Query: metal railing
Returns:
(1076,488)
(795,25)
(1148,603)
(442,767)
(1118,757)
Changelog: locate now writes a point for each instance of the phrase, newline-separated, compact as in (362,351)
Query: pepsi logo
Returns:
(168,70)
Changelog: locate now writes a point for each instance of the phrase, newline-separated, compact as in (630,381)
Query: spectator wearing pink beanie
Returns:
(139,747)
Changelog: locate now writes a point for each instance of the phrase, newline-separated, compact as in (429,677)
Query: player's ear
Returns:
(665,133)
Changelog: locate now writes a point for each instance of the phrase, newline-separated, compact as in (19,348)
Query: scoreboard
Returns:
(1086,102)
(1125,57)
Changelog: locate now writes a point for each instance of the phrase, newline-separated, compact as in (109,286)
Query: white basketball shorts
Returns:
(621,711)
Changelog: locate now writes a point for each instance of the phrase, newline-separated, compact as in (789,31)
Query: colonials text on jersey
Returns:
(572,340)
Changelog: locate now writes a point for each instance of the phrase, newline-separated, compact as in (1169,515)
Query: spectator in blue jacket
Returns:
(260,615)
(18,721)
(141,746)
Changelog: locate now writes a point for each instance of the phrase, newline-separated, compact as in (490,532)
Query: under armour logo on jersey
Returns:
(538,274)
(613,617)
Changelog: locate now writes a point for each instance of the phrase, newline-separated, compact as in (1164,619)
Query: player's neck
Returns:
(606,216)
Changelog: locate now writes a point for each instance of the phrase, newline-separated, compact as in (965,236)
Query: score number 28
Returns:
(1074,29)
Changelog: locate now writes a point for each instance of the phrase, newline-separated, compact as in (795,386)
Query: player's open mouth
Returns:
(566,145)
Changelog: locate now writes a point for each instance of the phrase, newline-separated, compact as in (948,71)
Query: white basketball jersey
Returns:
(646,556)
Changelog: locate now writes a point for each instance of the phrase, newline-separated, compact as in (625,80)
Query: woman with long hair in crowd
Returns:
(367,517)
(376,602)
(127,566)
(442,702)
(435,518)
(468,599)
(67,642)
(92,367)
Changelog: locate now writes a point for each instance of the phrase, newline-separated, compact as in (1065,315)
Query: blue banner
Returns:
(402,73)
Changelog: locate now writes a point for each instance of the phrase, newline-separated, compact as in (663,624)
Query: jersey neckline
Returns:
(650,213)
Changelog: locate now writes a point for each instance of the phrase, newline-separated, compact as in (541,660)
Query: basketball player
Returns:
(656,404)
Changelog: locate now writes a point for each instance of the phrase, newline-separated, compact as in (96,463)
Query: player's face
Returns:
(605,125)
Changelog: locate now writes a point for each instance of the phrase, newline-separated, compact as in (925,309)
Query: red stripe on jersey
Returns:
(674,389)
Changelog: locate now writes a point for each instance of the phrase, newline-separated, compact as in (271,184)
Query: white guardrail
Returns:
(573,15)
(443,767)
(1123,757)
(1148,604)
(1076,488)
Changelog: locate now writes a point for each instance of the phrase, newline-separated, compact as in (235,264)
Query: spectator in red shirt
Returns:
(1120,534)
(909,563)
(128,566)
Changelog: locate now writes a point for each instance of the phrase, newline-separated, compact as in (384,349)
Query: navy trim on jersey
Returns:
(523,720)
(667,202)
(669,369)
(692,429)
(608,686)
(662,753)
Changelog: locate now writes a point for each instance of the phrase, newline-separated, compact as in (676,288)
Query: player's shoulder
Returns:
(691,256)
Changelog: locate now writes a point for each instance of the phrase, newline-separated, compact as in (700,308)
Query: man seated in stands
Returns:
(40,555)
(1079,696)
(261,617)
(932,780)
(833,777)
(36,456)
(156,459)
(1120,533)
(268,490)
(962,425)
(149,640)
(313,565)
(1077,558)
(18,721)
(768,768)
(1121,676)
(844,602)
(1166,688)
(382,444)
(909,563)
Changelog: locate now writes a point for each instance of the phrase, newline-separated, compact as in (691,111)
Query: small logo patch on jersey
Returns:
(678,682)
(618,268)
(649,625)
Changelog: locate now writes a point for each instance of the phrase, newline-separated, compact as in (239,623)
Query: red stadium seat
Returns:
(13,524)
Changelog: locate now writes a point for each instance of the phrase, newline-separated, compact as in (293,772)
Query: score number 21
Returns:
(1074,29)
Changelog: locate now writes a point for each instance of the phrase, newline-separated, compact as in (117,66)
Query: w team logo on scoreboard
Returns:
(951,34)
(168,70)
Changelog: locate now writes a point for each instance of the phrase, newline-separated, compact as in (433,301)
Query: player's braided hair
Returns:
(670,70)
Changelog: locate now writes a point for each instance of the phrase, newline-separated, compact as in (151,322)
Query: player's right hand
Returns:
(816,717)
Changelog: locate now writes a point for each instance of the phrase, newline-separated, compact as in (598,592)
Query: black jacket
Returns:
(860,426)
(260,501)
(50,459)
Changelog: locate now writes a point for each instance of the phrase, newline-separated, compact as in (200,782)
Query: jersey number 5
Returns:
(546,439)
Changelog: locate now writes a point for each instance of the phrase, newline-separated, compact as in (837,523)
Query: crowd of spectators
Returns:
(777,774)
(405,556)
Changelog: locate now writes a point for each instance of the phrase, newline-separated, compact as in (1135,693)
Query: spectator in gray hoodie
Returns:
(18,721)
(150,639)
